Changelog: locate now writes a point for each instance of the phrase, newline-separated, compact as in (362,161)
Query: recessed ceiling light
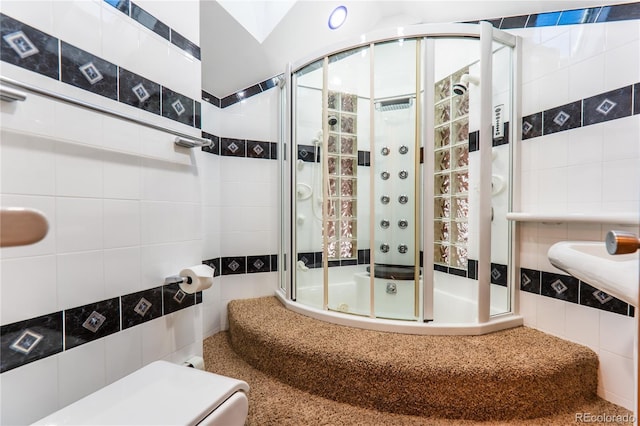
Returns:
(337,17)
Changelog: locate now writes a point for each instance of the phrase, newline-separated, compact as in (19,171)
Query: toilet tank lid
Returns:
(159,393)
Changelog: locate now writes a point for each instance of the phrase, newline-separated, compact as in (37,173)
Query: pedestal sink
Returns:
(617,275)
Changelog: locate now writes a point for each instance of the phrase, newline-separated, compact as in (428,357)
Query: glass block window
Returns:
(342,159)
(451,168)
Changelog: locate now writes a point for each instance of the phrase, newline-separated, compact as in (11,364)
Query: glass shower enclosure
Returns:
(397,177)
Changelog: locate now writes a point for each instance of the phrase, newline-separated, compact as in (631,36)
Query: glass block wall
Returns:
(451,168)
(342,158)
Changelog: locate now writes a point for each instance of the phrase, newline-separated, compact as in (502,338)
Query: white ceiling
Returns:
(282,31)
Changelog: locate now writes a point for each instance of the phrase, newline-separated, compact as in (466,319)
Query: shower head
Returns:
(394,104)
(461,87)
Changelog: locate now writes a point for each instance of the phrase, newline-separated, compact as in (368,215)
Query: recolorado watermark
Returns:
(605,418)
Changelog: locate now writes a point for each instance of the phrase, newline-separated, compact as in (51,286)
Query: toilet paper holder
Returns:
(177,279)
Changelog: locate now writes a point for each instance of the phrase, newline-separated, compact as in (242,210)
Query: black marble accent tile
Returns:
(28,48)
(318,259)
(532,126)
(149,21)
(258,264)
(499,274)
(458,272)
(440,268)
(273,150)
(561,118)
(215,147)
(185,44)
(619,12)
(91,322)
(636,98)
(348,262)
(472,269)
(530,280)
(174,299)
(215,264)
(421,155)
(632,311)
(474,141)
(504,139)
(607,106)
(364,257)
(177,107)
(547,19)
(495,22)
(256,149)
(249,92)
(273,261)
(271,82)
(141,306)
(198,115)
(213,100)
(232,147)
(332,263)
(591,296)
(514,22)
(198,297)
(364,158)
(121,5)
(139,92)
(579,16)
(234,265)
(229,100)
(559,286)
(86,71)
(421,259)
(30,340)
(307,153)
(308,258)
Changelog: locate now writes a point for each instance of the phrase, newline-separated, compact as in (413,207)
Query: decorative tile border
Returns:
(36,338)
(237,265)
(243,94)
(243,148)
(611,105)
(39,52)
(149,21)
(570,289)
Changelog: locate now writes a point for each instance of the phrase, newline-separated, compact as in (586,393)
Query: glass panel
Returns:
(393,165)
(348,86)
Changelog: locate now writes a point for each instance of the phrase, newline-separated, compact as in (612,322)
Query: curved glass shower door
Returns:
(395,158)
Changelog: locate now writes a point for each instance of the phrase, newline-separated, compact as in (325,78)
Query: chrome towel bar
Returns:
(9,93)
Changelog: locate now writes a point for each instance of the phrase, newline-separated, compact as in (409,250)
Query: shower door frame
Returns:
(485,323)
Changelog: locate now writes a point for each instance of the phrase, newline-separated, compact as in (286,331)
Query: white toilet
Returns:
(161,393)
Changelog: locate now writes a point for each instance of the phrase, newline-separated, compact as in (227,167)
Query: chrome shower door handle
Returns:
(621,242)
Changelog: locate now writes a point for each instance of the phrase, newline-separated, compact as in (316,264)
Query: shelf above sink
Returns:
(617,275)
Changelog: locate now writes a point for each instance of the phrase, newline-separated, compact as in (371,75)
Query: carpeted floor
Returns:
(374,378)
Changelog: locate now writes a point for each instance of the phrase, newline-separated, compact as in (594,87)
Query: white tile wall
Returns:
(122,202)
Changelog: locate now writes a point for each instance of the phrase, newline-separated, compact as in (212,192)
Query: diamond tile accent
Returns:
(606,106)
(561,118)
(525,280)
(178,107)
(258,149)
(234,266)
(526,127)
(21,44)
(602,297)
(91,73)
(258,264)
(495,274)
(94,321)
(142,307)
(26,342)
(233,147)
(180,295)
(559,286)
(141,93)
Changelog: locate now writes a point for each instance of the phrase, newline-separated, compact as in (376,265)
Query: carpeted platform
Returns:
(273,403)
(514,374)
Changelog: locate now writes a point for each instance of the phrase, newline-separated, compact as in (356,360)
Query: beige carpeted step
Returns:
(514,374)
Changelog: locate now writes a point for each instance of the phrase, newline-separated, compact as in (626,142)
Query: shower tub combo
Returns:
(397,169)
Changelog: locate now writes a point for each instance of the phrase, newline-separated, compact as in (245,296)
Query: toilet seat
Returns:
(160,393)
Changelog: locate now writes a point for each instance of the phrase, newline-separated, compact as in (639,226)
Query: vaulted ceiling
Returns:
(244,42)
